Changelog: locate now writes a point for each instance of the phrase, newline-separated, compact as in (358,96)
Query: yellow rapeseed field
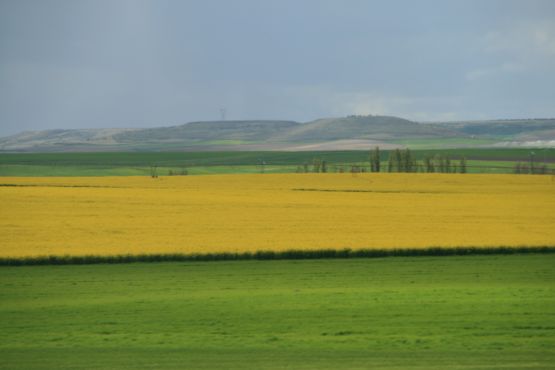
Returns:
(230,213)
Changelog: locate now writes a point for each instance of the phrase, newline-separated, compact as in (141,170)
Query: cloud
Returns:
(344,102)
(147,63)
(536,38)
(495,71)
(420,108)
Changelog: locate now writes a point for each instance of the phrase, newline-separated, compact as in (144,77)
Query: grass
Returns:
(60,171)
(138,163)
(395,313)
(473,166)
(97,170)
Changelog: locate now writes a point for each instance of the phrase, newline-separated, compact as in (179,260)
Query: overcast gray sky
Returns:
(135,63)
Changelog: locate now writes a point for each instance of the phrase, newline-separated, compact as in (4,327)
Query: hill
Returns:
(364,127)
(536,132)
(209,131)
(341,133)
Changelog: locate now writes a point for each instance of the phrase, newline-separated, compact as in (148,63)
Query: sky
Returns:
(139,63)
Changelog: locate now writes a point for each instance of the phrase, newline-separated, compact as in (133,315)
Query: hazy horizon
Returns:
(111,64)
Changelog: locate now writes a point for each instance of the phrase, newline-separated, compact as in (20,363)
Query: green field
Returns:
(69,170)
(477,312)
(139,163)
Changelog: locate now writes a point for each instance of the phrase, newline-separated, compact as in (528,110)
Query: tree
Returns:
(447,164)
(398,160)
(439,163)
(429,164)
(154,171)
(517,168)
(375,160)
(408,163)
(532,154)
(462,165)
(390,162)
(316,164)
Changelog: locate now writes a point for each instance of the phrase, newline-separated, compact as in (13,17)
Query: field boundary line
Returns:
(294,254)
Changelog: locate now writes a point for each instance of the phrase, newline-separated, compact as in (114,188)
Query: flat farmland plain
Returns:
(238,213)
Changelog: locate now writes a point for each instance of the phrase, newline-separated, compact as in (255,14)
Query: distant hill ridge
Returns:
(353,132)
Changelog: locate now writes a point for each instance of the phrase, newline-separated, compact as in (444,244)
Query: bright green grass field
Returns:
(476,312)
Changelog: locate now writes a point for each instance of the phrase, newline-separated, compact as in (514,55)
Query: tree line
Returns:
(399,160)
(403,161)
(530,168)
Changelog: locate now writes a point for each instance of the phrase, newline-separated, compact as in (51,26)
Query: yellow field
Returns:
(218,213)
